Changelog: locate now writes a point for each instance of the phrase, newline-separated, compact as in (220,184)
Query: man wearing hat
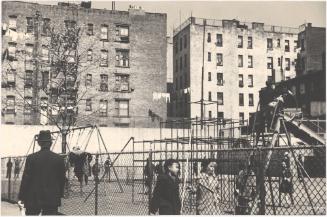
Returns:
(43,179)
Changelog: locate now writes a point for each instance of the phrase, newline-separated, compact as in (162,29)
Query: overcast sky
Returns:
(279,13)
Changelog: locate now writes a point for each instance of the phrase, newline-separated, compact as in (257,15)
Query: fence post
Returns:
(150,181)
(133,173)
(262,190)
(96,179)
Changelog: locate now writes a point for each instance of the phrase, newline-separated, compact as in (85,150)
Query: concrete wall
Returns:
(147,59)
(16,139)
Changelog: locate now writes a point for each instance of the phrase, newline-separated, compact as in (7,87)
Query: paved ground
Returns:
(9,209)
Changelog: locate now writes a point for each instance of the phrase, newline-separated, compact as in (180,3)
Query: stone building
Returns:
(236,58)
(123,64)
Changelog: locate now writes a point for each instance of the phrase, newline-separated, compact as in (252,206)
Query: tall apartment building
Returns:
(237,59)
(125,54)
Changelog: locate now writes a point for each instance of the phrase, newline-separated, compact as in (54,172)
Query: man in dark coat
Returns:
(43,180)
(9,168)
(166,193)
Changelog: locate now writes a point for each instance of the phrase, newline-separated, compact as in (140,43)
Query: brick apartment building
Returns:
(309,85)
(237,59)
(125,55)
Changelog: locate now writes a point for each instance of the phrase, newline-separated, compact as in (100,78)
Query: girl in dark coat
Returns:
(166,193)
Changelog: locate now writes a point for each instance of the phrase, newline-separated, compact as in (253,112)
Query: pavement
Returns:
(9,209)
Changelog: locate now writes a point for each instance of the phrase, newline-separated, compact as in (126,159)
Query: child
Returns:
(166,193)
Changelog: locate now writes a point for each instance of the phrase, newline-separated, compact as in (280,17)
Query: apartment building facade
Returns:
(123,63)
(237,59)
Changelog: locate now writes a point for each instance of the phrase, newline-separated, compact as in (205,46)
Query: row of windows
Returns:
(220,98)
(270,44)
(270,63)
(121,30)
(121,107)
(221,116)
(121,82)
(220,79)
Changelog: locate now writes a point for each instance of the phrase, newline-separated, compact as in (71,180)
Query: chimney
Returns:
(86,4)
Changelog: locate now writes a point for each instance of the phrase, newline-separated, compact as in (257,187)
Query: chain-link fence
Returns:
(294,182)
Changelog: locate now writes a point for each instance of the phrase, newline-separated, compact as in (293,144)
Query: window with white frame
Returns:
(220,79)
(122,108)
(10,105)
(29,24)
(122,58)
(103,108)
(250,80)
(250,42)
(220,98)
(88,105)
(122,33)
(88,80)
(89,55)
(269,43)
(104,32)
(104,58)
(251,99)
(219,59)
(219,42)
(121,83)
(12,22)
(27,105)
(12,50)
(250,61)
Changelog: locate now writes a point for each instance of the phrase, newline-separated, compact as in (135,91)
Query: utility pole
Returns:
(202,74)
(36,62)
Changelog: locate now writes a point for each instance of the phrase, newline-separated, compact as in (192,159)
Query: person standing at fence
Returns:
(148,172)
(17,168)
(245,189)
(43,180)
(107,165)
(166,192)
(286,185)
(207,191)
(95,170)
(300,168)
(9,168)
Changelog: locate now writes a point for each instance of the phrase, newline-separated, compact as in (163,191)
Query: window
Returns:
(278,42)
(90,55)
(45,53)
(240,60)
(185,60)
(185,41)
(176,65)
(45,79)
(220,79)
(28,105)
(121,83)
(88,80)
(122,58)
(209,37)
(104,58)
(251,103)
(295,45)
(46,26)
(176,46)
(12,22)
(209,56)
(88,105)
(12,50)
(122,108)
(104,32)
(70,24)
(240,81)
(287,46)
(288,64)
(241,118)
(241,99)
(210,115)
(219,59)
(269,44)
(209,96)
(279,61)
(122,33)
(28,78)
(240,41)
(209,76)
(29,24)
(11,77)
(220,115)
(11,104)
(104,83)
(103,108)
(250,80)
(29,51)
(181,63)
(89,29)
(220,98)
(250,42)
(181,81)
(219,42)
(269,63)
(250,61)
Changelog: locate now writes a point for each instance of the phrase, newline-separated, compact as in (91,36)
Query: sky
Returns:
(278,13)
